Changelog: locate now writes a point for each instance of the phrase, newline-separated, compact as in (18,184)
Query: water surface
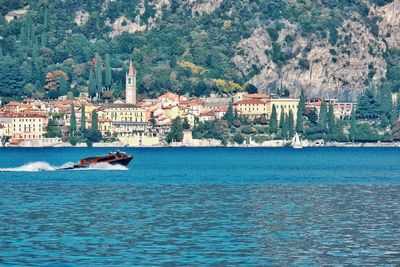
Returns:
(214,206)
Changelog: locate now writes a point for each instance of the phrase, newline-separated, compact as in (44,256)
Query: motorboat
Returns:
(113,158)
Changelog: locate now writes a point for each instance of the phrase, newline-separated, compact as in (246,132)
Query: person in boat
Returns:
(118,154)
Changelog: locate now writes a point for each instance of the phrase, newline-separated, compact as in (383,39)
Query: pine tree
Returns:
(273,122)
(23,38)
(282,119)
(323,116)
(291,123)
(108,74)
(353,126)
(331,119)
(99,75)
(92,84)
(83,119)
(95,121)
(73,120)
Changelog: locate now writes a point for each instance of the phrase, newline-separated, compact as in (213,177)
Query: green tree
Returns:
(291,124)
(95,120)
(176,132)
(282,119)
(72,121)
(229,116)
(108,74)
(368,105)
(99,74)
(285,127)
(331,119)
(273,122)
(62,86)
(185,124)
(300,111)
(92,84)
(238,138)
(353,125)
(83,119)
(323,116)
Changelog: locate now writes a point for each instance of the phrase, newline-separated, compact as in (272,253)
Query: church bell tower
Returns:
(130,85)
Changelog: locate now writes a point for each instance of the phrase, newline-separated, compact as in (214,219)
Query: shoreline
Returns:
(268,144)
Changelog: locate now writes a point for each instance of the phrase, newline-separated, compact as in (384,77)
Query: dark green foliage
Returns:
(251,89)
(313,116)
(368,105)
(273,121)
(229,116)
(323,116)
(300,111)
(92,135)
(175,134)
(99,74)
(83,119)
(291,124)
(353,125)
(62,86)
(331,119)
(185,124)
(216,129)
(108,74)
(92,84)
(52,132)
(72,128)
(282,119)
(238,138)
(365,133)
(95,121)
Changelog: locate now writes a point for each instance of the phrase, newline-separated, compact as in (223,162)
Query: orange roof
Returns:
(222,109)
(259,96)
(169,95)
(210,113)
(250,102)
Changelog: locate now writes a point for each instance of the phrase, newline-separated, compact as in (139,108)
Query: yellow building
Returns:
(285,105)
(251,107)
(128,123)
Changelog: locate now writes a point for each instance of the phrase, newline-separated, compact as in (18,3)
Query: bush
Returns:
(238,138)
(365,133)
(248,130)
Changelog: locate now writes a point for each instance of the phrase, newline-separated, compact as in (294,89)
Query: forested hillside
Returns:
(330,48)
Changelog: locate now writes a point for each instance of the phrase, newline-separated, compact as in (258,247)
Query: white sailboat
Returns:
(296,142)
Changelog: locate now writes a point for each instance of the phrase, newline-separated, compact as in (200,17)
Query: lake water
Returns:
(210,206)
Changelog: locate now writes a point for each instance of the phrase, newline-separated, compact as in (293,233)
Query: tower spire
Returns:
(131,69)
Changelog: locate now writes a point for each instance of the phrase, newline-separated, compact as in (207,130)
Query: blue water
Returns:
(214,206)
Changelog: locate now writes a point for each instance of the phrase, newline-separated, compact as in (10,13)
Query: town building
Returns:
(128,123)
(343,110)
(283,105)
(130,85)
(16,14)
(251,107)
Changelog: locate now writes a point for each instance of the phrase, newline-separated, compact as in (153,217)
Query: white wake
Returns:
(41,166)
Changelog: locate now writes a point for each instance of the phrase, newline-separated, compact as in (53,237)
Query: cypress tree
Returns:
(98,72)
(300,112)
(108,74)
(229,116)
(35,50)
(291,123)
(1,53)
(92,84)
(394,115)
(323,116)
(331,119)
(285,127)
(73,120)
(353,126)
(23,38)
(62,87)
(95,121)
(83,119)
(282,118)
(273,122)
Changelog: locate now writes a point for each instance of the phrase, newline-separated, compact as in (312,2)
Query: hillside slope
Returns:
(328,48)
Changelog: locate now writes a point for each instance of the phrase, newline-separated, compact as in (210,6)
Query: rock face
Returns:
(338,70)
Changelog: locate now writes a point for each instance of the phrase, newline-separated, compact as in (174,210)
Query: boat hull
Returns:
(84,164)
